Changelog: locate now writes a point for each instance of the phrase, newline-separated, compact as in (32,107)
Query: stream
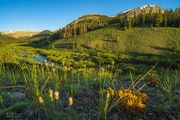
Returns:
(41,59)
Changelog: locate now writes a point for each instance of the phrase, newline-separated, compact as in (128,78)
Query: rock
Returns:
(113,116)
(171,117)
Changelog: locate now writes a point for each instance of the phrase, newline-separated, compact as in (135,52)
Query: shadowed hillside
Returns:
(6,39)
(143,40)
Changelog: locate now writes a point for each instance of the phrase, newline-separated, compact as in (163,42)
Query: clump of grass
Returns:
(152,78)
(168,82)
(130,98)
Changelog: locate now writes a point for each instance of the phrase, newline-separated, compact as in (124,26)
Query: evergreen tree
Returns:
(165,21)
(125,26)
(158,19)
(129,23)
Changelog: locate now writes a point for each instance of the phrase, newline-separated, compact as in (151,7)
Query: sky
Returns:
(38,15)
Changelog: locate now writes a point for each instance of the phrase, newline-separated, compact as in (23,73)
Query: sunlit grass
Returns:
(52,89)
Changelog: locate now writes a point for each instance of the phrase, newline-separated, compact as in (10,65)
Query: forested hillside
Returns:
(145,16)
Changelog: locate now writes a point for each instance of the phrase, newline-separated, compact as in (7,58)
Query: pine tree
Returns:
(129,23)
(125,26)
(158,20)
(165,21)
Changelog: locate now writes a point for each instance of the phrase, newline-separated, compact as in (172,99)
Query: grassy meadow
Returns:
(106,74)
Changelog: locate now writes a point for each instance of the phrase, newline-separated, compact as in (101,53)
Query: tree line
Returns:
(168,18)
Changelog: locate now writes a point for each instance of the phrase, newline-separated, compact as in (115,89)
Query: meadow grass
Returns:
(48,89)
(102,82)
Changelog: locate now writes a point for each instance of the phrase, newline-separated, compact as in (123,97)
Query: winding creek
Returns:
(41,59)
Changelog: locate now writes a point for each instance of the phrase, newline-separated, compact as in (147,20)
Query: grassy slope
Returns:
(6,39)
(135,40)
(38,40)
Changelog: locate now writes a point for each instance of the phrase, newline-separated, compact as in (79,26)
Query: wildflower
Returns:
(130,102)
(63,63)
(110,91)
(46,64)
(132,99)
(144,96)
(53,69)
(108,95)
(108,66)
(56,93)
(65,68)
(74,71)
(112,62)
(102,69)
(70,101)
(51,94)
(52,64)
(120,93)
(141,105)
(41,100)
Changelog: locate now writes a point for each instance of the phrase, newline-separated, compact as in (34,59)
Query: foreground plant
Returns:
(41,101)
(106,103)
(51,94)
(131,99)
(70,103)
(168,81)
(56,95)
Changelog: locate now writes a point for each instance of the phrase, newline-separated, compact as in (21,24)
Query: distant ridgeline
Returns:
(145,16)
(6,39)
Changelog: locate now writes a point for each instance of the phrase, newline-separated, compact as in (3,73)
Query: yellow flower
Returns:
(56,93)
(141,105)
(51,94)
(65,68)
(133,99)
(70,101)
(144,96)
(109,66)
(53,69)
(121,94)
(102,69)
(63,63)
(41,100)
(52,64)
(108,95)
(130,102)
(46,64)
(110,91)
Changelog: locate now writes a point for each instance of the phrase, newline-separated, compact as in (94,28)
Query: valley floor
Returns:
(63,84)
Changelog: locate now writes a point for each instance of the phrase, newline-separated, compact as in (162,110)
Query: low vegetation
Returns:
(52,93)
(75,82)
(98,67)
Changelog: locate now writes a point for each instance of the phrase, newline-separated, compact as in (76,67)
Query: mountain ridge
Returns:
(20,34)
(143,9)
(147,15)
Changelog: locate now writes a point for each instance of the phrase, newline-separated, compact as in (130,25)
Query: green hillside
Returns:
(145,16)
(6,39)
(144,40)
(40,36)
(97,67)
